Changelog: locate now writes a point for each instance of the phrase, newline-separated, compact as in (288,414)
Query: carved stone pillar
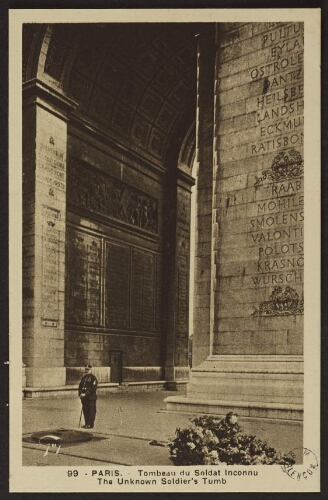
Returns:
(248,335)
(44,223)
(177,272)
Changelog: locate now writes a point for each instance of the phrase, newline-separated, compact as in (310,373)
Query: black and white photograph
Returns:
(164,250)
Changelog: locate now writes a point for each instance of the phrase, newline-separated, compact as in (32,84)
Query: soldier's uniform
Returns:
(88,396)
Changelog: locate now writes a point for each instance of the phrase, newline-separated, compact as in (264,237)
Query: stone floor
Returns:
(125,425)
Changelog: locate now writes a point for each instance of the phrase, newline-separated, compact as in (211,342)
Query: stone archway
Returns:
(108,107)
(248,340)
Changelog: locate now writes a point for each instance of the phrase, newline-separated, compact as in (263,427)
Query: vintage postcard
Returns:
(164,203)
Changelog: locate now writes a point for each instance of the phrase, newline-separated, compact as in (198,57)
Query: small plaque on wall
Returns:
(49,323)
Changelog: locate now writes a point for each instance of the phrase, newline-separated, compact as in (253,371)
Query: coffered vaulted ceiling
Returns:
(135,81)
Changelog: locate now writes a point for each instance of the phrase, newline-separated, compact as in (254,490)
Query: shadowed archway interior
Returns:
(137,82)
(130,94)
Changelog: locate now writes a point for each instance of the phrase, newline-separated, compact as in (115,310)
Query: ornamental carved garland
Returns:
(281,303)
(286,165)
(96,191)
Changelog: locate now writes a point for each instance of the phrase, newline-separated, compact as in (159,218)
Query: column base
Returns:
(45,377)
(174,376)
(252,386)
(171,386)
(247,410)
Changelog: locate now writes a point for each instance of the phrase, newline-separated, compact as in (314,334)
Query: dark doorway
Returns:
(116,364)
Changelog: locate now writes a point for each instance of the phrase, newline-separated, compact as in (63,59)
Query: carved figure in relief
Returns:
(98,198)
(83,193)
(153,216)
(135,211)
(145,214)
(286,165)
(111,198)
(122,199)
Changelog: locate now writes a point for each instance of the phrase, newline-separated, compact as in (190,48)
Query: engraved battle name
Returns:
(279,109)
(277,231)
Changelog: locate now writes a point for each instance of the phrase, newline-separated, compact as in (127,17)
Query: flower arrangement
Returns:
(214,441)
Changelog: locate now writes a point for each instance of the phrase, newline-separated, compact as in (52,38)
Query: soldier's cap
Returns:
(88,366)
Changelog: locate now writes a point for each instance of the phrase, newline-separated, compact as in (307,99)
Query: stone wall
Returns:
(258,203)
(44,220)
(117,261)
(203,239)
(97,278)
(114,259)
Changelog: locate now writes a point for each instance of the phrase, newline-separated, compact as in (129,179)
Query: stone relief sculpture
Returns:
(281,303)
(286,165)
(111,197)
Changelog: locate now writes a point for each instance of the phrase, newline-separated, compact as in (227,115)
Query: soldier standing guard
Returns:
(88,396)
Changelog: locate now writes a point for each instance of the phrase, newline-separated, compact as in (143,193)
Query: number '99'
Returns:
(72,473)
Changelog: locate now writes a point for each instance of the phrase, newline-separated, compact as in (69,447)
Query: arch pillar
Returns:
(248,328)
(177,271)
(45,115)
